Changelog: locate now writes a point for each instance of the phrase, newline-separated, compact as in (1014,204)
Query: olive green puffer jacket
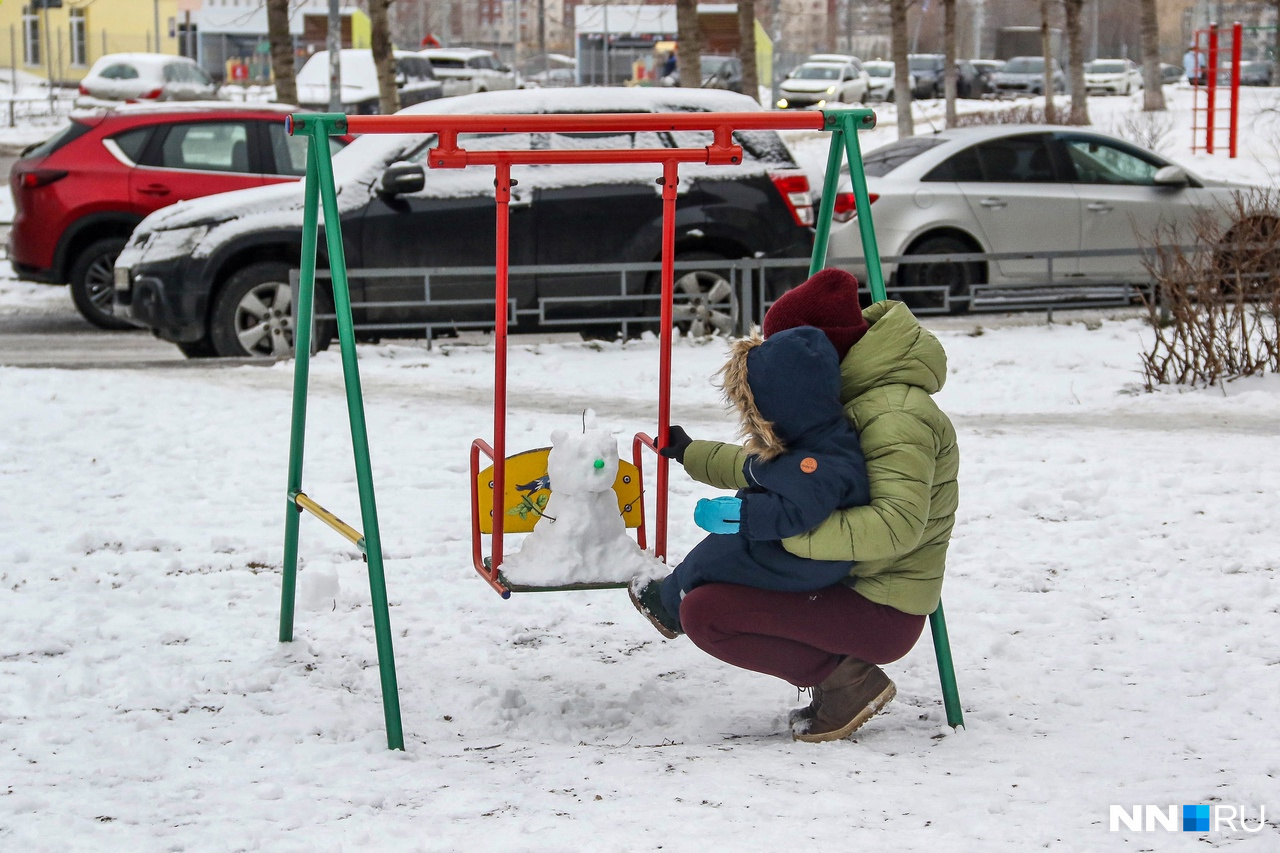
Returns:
(900,539)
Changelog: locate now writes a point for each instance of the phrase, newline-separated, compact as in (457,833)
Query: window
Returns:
(79,46)
(132,142)
(30,35)
(290,152)
(207,146)
(1099,162)
(884,160)
(119,71)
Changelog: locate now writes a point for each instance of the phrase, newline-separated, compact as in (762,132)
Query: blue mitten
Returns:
(718,515)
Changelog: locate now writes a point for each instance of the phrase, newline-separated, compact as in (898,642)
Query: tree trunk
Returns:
(747,48)
(1075,62)
(383,58)
(901,67)
(1046,48)
(1275,48)
(1152,80)
(281,51)
(688,44)
(949,52)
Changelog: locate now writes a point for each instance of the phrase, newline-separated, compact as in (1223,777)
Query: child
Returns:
(802,460)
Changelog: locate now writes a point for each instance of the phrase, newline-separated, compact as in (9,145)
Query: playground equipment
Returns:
(319,193)
(1209,50)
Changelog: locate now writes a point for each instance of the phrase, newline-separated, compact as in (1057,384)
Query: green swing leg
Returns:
(844,126)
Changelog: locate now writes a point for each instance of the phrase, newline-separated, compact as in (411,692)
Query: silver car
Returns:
(1024,188)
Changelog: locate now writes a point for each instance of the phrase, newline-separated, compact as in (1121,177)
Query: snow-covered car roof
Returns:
(142,60)
(360,165)
(455,52)
(118,108)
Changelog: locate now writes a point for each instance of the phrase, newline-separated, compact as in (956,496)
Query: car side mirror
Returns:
(402,179)
(401,80)
(1170,176)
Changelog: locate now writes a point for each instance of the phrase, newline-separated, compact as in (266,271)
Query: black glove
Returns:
(677,442)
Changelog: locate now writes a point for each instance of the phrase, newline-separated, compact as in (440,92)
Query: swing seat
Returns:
(526,490)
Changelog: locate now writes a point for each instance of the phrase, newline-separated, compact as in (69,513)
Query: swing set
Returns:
(489,487)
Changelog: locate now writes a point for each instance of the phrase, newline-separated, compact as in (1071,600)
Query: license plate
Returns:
(122,279)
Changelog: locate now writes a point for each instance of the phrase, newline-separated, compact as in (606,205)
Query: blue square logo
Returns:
(1195,818)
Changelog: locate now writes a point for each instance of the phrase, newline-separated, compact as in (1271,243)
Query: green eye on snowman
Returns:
(599,463)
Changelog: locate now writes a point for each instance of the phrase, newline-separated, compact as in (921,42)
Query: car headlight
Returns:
(172,243)
(831,90)
(782,103)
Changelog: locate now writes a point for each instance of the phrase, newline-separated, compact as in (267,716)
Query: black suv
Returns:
(213,275)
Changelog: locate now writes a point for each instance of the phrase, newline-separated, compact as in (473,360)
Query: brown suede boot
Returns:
(852,694)
(808,712)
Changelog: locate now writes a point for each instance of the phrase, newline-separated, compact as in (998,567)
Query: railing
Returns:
(750,284)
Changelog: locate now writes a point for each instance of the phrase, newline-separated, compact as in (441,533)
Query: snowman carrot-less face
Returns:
(583,462)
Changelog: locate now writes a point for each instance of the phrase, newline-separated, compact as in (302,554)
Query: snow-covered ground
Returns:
(1112,597)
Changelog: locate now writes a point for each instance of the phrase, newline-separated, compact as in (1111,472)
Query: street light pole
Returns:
(155,10)
(333,43)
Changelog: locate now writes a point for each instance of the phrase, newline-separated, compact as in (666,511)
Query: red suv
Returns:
(79,194)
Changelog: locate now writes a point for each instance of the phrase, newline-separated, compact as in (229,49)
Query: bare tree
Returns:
(1275,47)
(1046,48)
(688,44)
(747,48)
(383,57)
(949,52)
(1152,85)
(901,67)
(1075,62)
(281,51)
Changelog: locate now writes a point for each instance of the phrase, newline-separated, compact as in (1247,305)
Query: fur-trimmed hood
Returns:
(786,390)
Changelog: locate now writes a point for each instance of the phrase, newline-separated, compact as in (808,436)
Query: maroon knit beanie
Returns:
(827,301)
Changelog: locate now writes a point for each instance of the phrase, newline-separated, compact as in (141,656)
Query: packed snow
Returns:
(580,536)
(1112,598)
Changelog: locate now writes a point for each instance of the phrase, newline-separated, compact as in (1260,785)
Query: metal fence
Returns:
(748,295)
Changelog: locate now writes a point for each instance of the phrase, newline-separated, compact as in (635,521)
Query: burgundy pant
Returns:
(797,636)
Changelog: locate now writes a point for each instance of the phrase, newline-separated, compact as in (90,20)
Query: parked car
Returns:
(1256,72)
(1112,77)
(818,82)
(415,81)
(468,70)
(928,69)
(716,72)
(1170,73)
(1001,188)
(79,194)
(1024,75)
(972,81)
(880,80)
(213,275)
(145,77)
(550,70)
(988,68)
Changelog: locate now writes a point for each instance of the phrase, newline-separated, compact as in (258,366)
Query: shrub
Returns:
(1216,297)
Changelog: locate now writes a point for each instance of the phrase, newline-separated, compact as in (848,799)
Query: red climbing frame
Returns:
(1208,59)
(447,155)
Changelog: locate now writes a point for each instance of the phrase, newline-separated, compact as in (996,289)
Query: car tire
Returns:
(705,303)
(1250,270)
(253,314)
(202,348)
(92,280)
(958,278)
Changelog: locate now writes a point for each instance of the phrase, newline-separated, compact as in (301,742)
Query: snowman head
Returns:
(580,463)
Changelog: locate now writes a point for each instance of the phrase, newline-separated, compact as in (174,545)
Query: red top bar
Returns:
(584,122)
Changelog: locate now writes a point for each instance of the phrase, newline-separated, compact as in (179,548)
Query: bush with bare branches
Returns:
(1151,130)
(1216,300)
(1023,113)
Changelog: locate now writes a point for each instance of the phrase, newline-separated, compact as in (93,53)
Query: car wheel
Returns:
(92,279)
(253,315)
(202,348)
(956,278)
(1251,270)
(704,303)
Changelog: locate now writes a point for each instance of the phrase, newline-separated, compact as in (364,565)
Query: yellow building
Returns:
(61,43)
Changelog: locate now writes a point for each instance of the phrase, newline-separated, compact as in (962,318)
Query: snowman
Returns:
(581,537)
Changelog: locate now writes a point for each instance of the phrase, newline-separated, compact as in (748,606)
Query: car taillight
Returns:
(84,90)
(41,177)
(153,94)
(794,187)
(847,206)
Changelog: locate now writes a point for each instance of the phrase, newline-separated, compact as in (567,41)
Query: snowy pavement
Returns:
(1112,597)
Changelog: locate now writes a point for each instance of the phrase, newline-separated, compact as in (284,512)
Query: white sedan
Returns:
(1026,188)
(1112,77)
(468,70)
(818,83)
